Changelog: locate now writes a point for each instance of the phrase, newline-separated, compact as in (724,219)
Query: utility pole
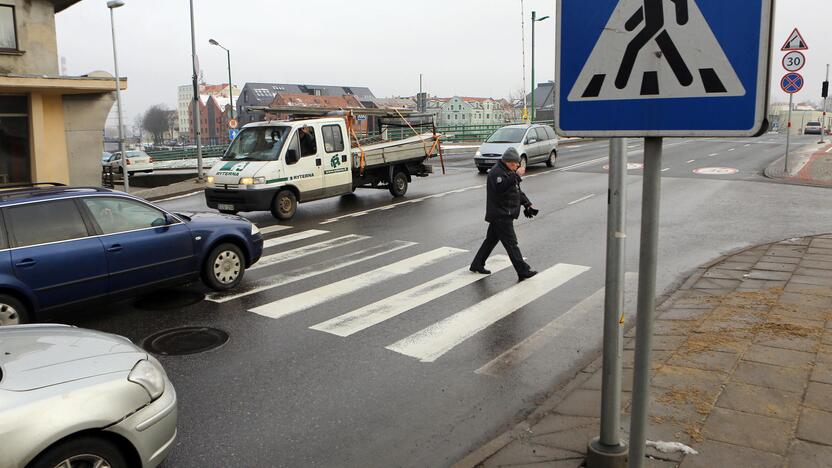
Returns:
(789,132)
(824,94)
(125,173)
(523,40)
(535,19)
(196,121)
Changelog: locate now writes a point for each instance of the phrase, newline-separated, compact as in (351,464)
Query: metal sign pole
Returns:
(607,451)
(651,194)
(789,132)
(824,92)
(197,122)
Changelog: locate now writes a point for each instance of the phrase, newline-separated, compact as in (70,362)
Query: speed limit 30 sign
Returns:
(794,61)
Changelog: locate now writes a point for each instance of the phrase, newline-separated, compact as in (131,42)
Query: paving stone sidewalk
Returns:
(742,372)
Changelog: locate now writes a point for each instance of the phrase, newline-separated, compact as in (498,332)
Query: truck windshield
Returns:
(507,135)
(257,144)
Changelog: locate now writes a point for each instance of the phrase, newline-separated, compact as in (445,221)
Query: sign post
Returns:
(793,61)
(628,68)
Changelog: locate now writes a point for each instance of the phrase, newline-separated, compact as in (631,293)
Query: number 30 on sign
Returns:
(794,61)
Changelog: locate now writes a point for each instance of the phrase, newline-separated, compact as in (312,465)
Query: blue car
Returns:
(65,247)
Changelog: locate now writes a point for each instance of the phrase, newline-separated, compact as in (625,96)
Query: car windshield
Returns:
(135,154)
(257,144)
(507,135)
(813,124)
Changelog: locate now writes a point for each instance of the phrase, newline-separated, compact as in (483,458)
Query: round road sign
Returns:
(794,61)
(792,82)
(232,123)
(716,171)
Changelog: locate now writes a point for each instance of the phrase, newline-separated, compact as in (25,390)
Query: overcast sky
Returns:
(463,47)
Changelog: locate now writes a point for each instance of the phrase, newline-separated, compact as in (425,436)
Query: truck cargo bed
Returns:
(390,152)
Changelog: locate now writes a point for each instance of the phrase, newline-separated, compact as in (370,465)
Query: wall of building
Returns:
(48,143)
(84,118)
(36,39)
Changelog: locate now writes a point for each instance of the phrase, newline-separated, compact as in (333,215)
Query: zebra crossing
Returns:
(426,345)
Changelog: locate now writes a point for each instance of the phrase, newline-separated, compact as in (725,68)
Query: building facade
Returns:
(214,114)
(465,111)
(51,125)
(262,95)
(185,96)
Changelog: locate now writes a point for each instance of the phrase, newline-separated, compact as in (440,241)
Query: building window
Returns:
(8,30)
(14,139)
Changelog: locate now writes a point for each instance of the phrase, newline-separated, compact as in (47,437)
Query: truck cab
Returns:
(274,165)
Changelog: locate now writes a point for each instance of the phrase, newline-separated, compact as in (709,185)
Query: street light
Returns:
(535,19)
(112,5)
(230,88)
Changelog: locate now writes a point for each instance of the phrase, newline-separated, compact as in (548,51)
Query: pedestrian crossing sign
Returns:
(644,68)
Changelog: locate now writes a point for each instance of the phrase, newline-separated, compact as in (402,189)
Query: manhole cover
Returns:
(185,340)
(169,299)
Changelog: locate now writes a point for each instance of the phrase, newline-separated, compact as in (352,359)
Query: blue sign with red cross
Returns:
(792,83)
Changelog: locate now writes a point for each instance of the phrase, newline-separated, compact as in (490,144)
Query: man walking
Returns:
(504,199)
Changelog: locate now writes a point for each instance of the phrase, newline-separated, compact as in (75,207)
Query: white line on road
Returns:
(665,169)
(575,202)
(177,197)
(292,238)
(276,228)
(587,313)
(373,314)
(692,160)
(747,144)
(713,154)
(829,150)
(732,149)
(290,277)
(394,205)
(294,304)
(434,341)
(300,252)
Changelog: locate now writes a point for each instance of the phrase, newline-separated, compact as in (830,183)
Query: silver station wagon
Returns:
(535,143)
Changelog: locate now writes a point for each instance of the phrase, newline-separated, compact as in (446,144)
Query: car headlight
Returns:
(479,153)
(252,180)
(254,229)
(210,179)
(149,376)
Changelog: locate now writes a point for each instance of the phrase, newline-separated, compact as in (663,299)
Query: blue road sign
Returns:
(662,67)
(232,133)
(792,83)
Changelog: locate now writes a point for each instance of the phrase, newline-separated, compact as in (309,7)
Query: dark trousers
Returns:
(503,232)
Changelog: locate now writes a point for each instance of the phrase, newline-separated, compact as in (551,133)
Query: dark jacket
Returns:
(504,195)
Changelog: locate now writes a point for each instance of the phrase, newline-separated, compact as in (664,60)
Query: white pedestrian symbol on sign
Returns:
(653,49)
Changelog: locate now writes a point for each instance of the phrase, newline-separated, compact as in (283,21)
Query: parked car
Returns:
(535,143)
(71,397)
(64,247)
(812,128)
(137,161)
(105,158)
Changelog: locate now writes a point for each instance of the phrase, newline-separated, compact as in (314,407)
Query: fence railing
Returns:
(188,153)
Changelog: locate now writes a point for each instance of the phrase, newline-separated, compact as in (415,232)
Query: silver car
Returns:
(71,397)
(535,143)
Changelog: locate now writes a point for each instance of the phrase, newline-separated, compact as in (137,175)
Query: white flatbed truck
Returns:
(274,165)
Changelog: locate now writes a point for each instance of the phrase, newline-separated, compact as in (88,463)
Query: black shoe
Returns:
(480,270)
(527,275)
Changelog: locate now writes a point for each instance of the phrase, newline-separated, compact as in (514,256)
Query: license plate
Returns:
(225,207)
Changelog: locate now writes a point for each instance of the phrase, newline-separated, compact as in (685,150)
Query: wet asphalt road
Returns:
(280,393)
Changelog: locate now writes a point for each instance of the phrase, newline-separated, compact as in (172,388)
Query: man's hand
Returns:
(521,171)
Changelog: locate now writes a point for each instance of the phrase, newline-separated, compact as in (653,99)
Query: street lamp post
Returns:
(112,5)
(197,122)
(535,19)
(230,86)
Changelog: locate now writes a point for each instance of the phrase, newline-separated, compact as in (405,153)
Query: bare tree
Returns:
(156,122)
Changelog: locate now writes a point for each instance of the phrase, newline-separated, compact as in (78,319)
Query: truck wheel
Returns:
(284,205)
(12,311)
(483,170)
(398,187)
(224,267)
(553,159)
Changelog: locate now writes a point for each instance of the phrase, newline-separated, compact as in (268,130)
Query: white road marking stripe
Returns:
(829,150)
(714,154)
(276,228)
(309,271)
(373,314)
(394,205)
(587,313)
(575,202)
(292,238)
(294,304)
(692,160)
(665,169)
(747,144)
(294,254)
(732,149)
(434,341)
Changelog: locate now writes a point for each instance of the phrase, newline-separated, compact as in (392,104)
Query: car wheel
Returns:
(553,159)
(81,452)
(284,205)
(224,267)
(12,311)
(398,187)
(483,170)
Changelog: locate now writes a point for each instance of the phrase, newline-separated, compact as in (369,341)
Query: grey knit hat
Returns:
(511,155)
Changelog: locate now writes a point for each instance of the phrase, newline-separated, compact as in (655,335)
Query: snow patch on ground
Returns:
(184,163)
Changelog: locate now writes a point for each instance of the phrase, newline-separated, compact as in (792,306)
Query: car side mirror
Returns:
(531,141)
(291,156)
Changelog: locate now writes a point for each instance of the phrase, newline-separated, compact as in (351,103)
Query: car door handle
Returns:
(318,162)
(115,248)
(26,262)
(343,158)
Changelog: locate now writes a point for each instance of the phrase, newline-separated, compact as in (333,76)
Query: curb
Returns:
(776,170)
(157,198)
